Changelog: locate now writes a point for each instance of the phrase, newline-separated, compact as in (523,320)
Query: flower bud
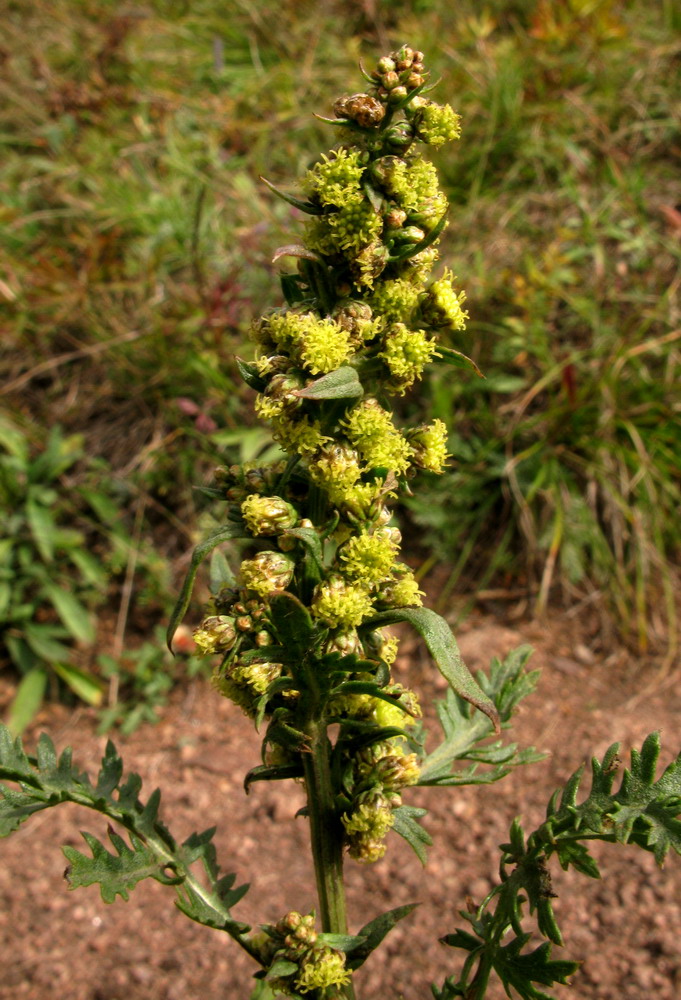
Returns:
(216,634)
(401,135)
(397,94)
(268,515)
(395,218)
(390,80)
(385,65)
(267,571)
(361,108)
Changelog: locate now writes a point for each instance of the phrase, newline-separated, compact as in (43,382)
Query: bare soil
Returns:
(58,945)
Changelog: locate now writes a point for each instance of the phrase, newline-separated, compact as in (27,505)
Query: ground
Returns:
(59,945)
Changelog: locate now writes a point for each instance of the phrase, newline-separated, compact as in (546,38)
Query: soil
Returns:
(626,927)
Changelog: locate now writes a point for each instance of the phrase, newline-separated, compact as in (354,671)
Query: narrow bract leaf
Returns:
(443,648)
(449,356)
(343,383)
(223,534)
(250,374)
(296,250)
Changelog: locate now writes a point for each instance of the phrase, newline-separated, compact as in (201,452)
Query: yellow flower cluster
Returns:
(373,433)
(406,353)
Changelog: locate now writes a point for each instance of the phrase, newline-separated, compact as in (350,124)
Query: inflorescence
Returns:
(362,305)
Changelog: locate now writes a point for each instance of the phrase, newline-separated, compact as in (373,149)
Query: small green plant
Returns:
(48,579)
(300,632)
(65,543)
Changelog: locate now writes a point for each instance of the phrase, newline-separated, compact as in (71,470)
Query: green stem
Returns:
(326,835)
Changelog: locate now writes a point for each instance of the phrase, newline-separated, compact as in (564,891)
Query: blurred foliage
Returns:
(63,543)
(135,238)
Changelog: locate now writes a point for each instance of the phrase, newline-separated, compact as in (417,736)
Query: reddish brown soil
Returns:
(57,945)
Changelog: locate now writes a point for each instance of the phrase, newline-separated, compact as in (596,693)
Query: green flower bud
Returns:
(401,135)
(268,515)
(216,634)
(385,65)
(344,642)
(267,571)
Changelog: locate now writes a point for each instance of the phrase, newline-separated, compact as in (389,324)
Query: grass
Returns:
(136,236)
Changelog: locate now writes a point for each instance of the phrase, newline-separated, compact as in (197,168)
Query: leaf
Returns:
(85,685)
(272,772)
(44,641)
(297,250)
(304,206)
(343,383)
(292,623)
(220,573)
(406,825)
(449,356)
(415,248)
(75,617)
(152,852)
(42,527)
(371,935)
(223,534)
(507,684)
(444,650)
(520,971)
(27,700)
(250,374)
(116,874)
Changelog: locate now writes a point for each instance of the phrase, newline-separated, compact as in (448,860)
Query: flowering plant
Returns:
(300,635)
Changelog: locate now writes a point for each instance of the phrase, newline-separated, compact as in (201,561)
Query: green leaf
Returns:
(292,623)
(415,248)
(343,383)
(47,780)
(304,206)
(272,772)
(371,935)
(42,527)
(407,826)
(75,617)
(91,569)
(449,356)
(44,641)
(520,971)
(507,684)
(85,685)
(220,573)
(444,650)
(250,374)
(117,873)
(223,534)
(27,700)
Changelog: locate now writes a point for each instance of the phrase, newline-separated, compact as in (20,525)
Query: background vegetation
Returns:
(135,241)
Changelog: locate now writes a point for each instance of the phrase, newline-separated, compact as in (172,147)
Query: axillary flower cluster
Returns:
(360,325)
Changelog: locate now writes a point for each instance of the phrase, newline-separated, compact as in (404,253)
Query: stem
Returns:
(326,836)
